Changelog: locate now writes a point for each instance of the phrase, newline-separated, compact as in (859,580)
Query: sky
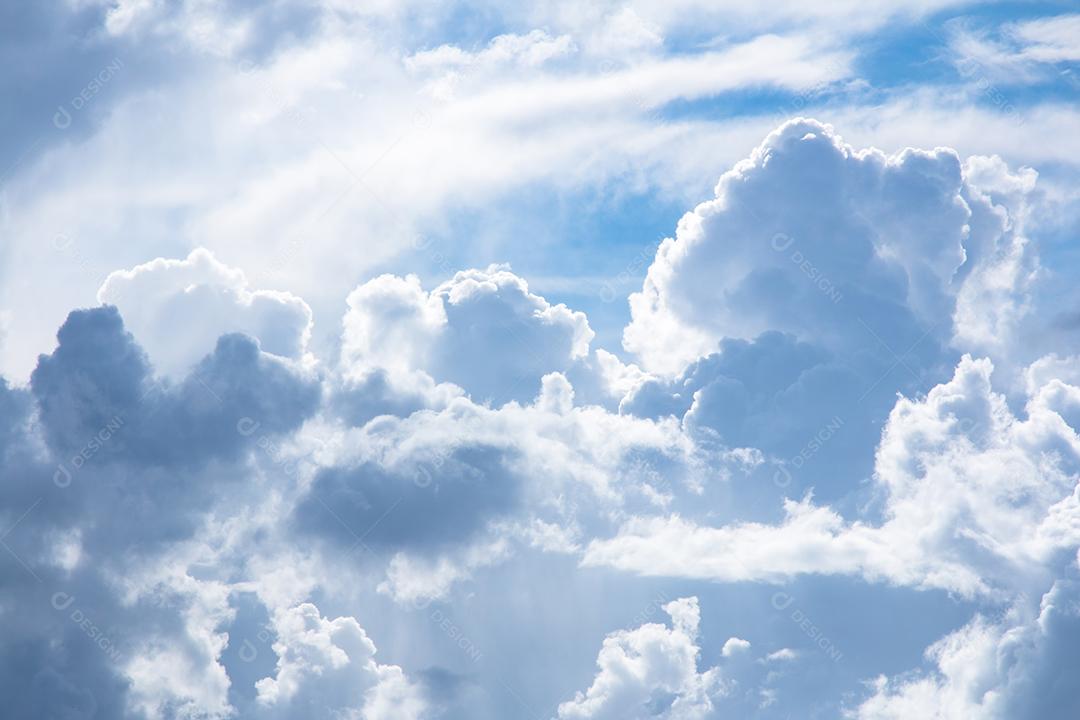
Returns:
(409,360)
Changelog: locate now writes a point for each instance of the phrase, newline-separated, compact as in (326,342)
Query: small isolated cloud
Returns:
(735,646)
(781,655)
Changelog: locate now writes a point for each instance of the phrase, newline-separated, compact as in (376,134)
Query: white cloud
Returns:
(858,233)
(1013,667)
(309,144)
(329,667)
(531,50)
(389,324)
(481,330)
(975,499)
(623,32)
(1048,39)
(180,675)
(1018,52)
(650,672)
(486,481)
(177,309)
(783,654)
(837,18)
(417,580)
(734,646)
(267,168)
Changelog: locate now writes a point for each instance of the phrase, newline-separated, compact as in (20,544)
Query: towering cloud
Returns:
(843,247)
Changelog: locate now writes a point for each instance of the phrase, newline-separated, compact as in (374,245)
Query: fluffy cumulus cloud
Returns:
(862,248)
(170,488)
(327,668)
(974,499)
(310,448)
(482,331)
(98,381)
(651,671)
(112,471)
(439,491)
(787,312)
(1016,666)
(177,309)
(180,465)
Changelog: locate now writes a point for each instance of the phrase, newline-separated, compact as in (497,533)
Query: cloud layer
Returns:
(344,373)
